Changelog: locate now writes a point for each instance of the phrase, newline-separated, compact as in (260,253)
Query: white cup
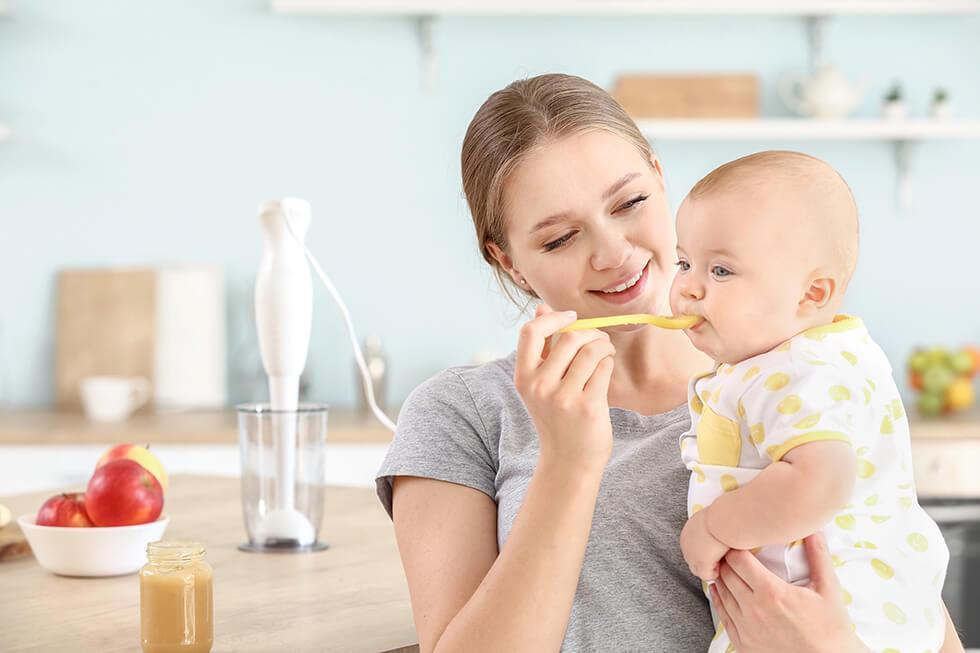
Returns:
(113,398)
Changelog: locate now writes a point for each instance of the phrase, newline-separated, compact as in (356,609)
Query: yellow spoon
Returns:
(662,321)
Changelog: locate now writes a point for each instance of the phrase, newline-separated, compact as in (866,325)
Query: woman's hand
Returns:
(763,613)
(565,388)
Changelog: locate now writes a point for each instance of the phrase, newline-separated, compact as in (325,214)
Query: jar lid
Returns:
(175,551)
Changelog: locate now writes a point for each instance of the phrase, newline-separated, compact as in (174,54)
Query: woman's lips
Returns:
(627,295)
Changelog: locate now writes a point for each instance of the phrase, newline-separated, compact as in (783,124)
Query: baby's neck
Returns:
(822,318)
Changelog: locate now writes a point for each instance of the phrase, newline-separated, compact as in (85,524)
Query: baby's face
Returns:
(741,267)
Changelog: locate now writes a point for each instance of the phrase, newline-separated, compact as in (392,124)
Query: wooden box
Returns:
(688,96)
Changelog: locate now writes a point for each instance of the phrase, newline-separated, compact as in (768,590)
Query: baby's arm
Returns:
(790,499)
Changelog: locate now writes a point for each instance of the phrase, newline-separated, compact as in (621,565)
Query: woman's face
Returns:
(589,228)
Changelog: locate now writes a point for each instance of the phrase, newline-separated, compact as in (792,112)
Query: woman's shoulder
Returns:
(484,386)
(449,428)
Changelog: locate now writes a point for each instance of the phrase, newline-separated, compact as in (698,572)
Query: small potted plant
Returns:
(940,107)
(893,105)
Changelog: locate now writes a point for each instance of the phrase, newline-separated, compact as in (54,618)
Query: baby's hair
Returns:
(794,171)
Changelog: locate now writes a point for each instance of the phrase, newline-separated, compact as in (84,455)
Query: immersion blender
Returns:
(283,317)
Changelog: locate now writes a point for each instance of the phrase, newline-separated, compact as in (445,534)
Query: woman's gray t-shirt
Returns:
(468,425)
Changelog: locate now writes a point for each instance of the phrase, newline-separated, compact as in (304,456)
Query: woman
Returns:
(538,499)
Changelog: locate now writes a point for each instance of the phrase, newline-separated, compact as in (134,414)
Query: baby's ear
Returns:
(818,295)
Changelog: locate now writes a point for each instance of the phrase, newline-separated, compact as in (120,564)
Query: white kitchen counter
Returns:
(33,468)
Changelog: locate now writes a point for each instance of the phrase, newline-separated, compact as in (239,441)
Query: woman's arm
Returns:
(952,644)
(466,597)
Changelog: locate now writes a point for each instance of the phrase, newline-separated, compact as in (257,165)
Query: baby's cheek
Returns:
(673,297)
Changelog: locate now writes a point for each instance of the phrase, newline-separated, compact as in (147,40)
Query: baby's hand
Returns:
(702,551)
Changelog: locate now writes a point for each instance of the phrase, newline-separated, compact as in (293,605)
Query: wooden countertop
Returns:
(955,426)
(40,426)
(351,597)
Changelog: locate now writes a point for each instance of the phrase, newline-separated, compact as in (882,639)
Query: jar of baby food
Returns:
(176,604)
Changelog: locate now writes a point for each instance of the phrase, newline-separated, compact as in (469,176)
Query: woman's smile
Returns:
(628,294)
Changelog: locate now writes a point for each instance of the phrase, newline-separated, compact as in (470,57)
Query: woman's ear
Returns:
(504,261)
(657,168)
(820,292)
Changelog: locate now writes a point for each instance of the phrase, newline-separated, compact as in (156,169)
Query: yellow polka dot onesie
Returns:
(829,383)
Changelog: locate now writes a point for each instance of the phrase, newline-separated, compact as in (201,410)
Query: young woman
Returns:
(538,499)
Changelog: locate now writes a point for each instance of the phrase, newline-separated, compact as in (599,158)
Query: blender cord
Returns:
(358,356)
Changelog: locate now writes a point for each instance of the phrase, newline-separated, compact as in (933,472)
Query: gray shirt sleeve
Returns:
(440,435)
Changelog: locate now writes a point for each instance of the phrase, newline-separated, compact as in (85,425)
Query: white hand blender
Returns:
(283,316)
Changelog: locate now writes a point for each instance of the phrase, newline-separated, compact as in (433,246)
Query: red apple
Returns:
(65,509)
(141,455)
(122,493)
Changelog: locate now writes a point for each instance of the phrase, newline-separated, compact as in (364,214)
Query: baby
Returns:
(799,427)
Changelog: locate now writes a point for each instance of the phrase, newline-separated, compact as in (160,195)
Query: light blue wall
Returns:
(149,132)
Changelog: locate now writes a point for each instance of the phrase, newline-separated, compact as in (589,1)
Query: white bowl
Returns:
(91,551)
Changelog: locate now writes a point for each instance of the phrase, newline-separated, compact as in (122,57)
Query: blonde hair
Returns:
(513,122)
(798,168)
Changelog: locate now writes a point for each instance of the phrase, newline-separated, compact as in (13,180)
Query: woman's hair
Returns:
(511,124)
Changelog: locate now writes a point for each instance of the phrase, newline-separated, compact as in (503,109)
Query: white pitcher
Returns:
(825,94)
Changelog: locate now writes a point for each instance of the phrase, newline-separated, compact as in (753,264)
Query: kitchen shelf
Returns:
(814,12)
(622,7)
(901,133)
(809,129)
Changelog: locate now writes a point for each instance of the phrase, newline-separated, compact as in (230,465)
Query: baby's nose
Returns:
(692,289)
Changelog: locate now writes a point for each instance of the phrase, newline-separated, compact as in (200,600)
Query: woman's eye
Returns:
(558,242)
(684,266)
(633,202)
(721,272)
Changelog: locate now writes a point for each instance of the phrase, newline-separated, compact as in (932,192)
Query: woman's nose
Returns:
(612,252)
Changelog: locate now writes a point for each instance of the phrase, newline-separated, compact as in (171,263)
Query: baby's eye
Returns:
(721,272)
(683,265)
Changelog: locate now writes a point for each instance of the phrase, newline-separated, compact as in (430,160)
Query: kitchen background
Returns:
(146,135)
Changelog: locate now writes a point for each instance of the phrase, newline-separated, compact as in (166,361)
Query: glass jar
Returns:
(176,599)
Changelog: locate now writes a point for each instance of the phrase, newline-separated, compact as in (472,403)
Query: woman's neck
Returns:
(652,369)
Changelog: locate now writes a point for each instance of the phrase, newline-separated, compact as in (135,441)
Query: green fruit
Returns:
(961,362)
(930,404)
(936,379)
(918,362)
(938,355)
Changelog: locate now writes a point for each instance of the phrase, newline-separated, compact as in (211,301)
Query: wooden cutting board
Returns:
(106,326)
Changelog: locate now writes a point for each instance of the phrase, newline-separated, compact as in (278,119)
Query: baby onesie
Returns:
(829,383)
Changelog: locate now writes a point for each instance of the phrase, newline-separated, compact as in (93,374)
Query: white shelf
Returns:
(809,129)
(624,7)
(901,133)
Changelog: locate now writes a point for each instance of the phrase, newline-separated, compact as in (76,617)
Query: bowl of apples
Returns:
(103,531)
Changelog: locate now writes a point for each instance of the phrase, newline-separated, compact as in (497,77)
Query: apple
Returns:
(65,509)
(919,361)
(930,404)
(961,362)
(139,454)
(937,379)
(122,493)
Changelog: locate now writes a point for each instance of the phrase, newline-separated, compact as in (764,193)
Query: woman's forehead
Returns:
(576,170)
